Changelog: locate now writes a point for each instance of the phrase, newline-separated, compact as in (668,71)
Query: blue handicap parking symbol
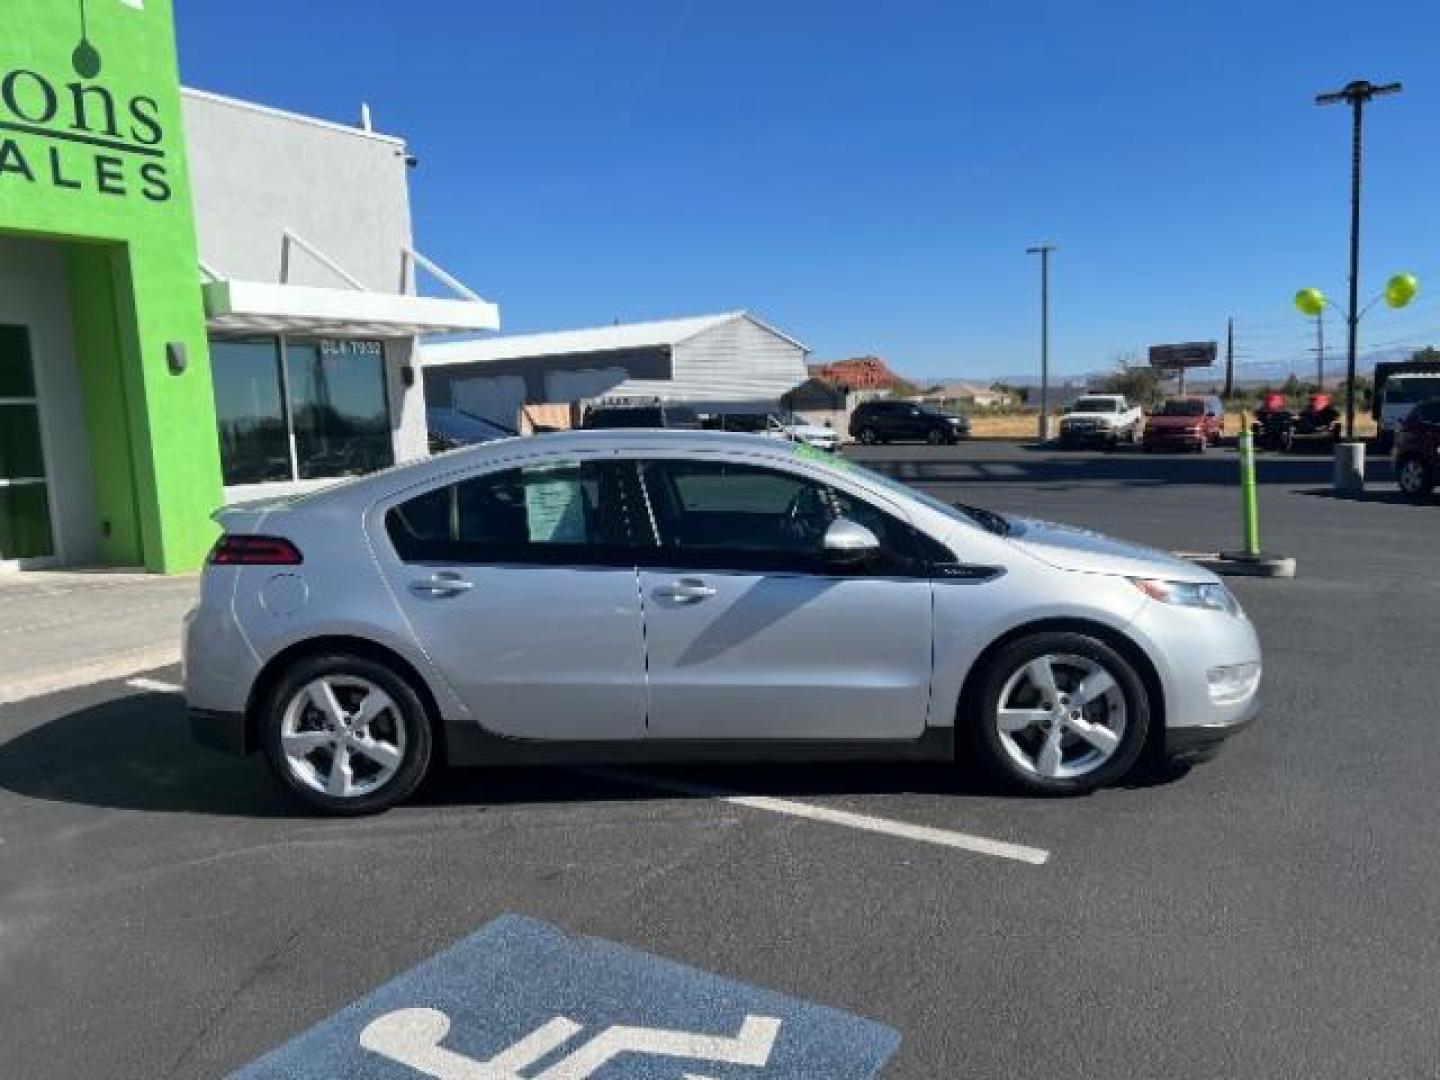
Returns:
(523,1000)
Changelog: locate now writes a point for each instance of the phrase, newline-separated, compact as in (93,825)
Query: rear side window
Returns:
(574,512)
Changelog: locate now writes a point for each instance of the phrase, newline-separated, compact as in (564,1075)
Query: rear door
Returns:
(752,635)
(520,584)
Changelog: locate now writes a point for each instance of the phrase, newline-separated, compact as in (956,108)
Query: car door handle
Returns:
(686,591)
(441,585)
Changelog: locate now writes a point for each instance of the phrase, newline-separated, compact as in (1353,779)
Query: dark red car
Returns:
(1188,423)
(1417,450)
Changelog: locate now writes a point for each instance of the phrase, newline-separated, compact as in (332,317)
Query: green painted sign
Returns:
(92,155)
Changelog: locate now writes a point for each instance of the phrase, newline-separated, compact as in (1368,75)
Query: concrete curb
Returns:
(112,667)
(1238,564)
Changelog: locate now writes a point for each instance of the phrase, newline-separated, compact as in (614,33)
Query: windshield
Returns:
(1182,408)
(1408,389)
(1094,405)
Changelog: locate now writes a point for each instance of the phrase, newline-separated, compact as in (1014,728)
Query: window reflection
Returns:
(331,396)
(254,446)
(338,406)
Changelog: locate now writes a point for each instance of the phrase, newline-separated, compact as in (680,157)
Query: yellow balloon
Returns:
(1310,301)
(1401,289)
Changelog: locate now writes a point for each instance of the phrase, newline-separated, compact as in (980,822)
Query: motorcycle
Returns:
(1276,427)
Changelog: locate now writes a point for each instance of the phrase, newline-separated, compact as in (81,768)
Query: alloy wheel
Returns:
(342,736)
(1413,479)
(1061,716)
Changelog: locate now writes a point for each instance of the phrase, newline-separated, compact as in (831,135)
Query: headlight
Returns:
(1196,594)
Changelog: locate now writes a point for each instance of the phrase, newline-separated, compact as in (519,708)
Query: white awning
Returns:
(265,307)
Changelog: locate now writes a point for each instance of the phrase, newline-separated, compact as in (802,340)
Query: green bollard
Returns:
(1249,506)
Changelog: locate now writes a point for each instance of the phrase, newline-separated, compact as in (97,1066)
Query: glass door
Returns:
(25,531)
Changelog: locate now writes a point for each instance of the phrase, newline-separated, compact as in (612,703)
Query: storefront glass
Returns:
(25,531)
(338,405)
(323,413)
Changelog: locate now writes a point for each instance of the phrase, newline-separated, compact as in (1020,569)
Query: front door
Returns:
(752,635)
(25,532)
(520,584)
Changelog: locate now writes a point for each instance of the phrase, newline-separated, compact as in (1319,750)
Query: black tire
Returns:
(869,437)
(935,437)
(1414,477)
(410,710)
(983,704)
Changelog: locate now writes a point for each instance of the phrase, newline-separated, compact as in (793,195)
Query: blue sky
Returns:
(868,175)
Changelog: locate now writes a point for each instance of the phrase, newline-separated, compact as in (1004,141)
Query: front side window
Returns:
(1096,405)
(318,410)
(574,512)
(722,515)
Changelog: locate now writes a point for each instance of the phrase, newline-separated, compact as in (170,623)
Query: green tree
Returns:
(1140,383)
(1429,352)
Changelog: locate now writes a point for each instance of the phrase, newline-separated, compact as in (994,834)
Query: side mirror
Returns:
(848,543)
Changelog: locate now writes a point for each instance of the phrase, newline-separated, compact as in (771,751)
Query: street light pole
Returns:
(1044,250)
(1357,95)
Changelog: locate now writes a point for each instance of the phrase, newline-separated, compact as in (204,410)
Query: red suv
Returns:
(1188,423)
(1417,449)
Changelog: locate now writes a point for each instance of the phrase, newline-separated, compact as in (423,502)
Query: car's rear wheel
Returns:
(346,734)
(869,436)
(1414,477)
(935,437)
(1060,714)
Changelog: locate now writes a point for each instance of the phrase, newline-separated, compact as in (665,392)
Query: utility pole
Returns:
(1044,250)
(1320,351)
(1229,358)
(1357,95)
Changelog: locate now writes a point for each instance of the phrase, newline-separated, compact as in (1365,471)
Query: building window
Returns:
(321,412)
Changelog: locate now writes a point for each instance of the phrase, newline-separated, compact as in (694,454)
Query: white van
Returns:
(1399,394)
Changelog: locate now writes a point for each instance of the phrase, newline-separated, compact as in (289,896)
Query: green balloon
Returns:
(1310,301)
(1401,289)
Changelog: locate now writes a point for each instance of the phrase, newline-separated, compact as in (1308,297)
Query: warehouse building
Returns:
(731,362)
(201,299)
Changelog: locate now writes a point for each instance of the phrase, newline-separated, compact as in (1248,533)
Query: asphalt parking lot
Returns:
(164,912)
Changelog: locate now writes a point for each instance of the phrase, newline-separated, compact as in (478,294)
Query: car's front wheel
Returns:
(869,436)
(935,437)
(347,735)
(1414,478)
(1059,713)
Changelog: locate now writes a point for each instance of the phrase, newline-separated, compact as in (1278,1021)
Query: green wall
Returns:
(92,152)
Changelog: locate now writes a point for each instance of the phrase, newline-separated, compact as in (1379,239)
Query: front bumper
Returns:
(1187,439)
(1202,741)
(1086,435)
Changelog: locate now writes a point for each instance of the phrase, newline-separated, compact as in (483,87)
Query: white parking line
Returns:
(154,686)
(924,834)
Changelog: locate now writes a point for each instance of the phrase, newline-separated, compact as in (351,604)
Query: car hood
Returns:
(1173,422)
(1106,417)
(1067,547)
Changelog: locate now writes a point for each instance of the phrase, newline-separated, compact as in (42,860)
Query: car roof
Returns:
(578,441)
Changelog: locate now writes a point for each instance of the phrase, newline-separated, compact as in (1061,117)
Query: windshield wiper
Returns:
(988,520)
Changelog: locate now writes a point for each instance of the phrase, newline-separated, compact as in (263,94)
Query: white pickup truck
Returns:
(1103,419)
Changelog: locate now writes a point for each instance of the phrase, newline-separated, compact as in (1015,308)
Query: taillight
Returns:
(246,550)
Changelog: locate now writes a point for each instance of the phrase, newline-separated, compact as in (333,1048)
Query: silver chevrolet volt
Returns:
(666,595)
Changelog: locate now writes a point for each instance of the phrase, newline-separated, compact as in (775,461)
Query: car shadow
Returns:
(136,753)
(1391,497)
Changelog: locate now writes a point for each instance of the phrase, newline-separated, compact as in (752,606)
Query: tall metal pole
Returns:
(1357,95)
(1043,424)
(1320,351)
(1357,103)
(1229,358)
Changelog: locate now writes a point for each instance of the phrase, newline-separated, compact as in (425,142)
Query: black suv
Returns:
(875,422)
(641,416)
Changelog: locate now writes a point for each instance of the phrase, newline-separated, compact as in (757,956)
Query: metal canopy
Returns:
(265,307)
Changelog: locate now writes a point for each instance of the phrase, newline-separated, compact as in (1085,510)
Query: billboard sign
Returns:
(1185,355)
